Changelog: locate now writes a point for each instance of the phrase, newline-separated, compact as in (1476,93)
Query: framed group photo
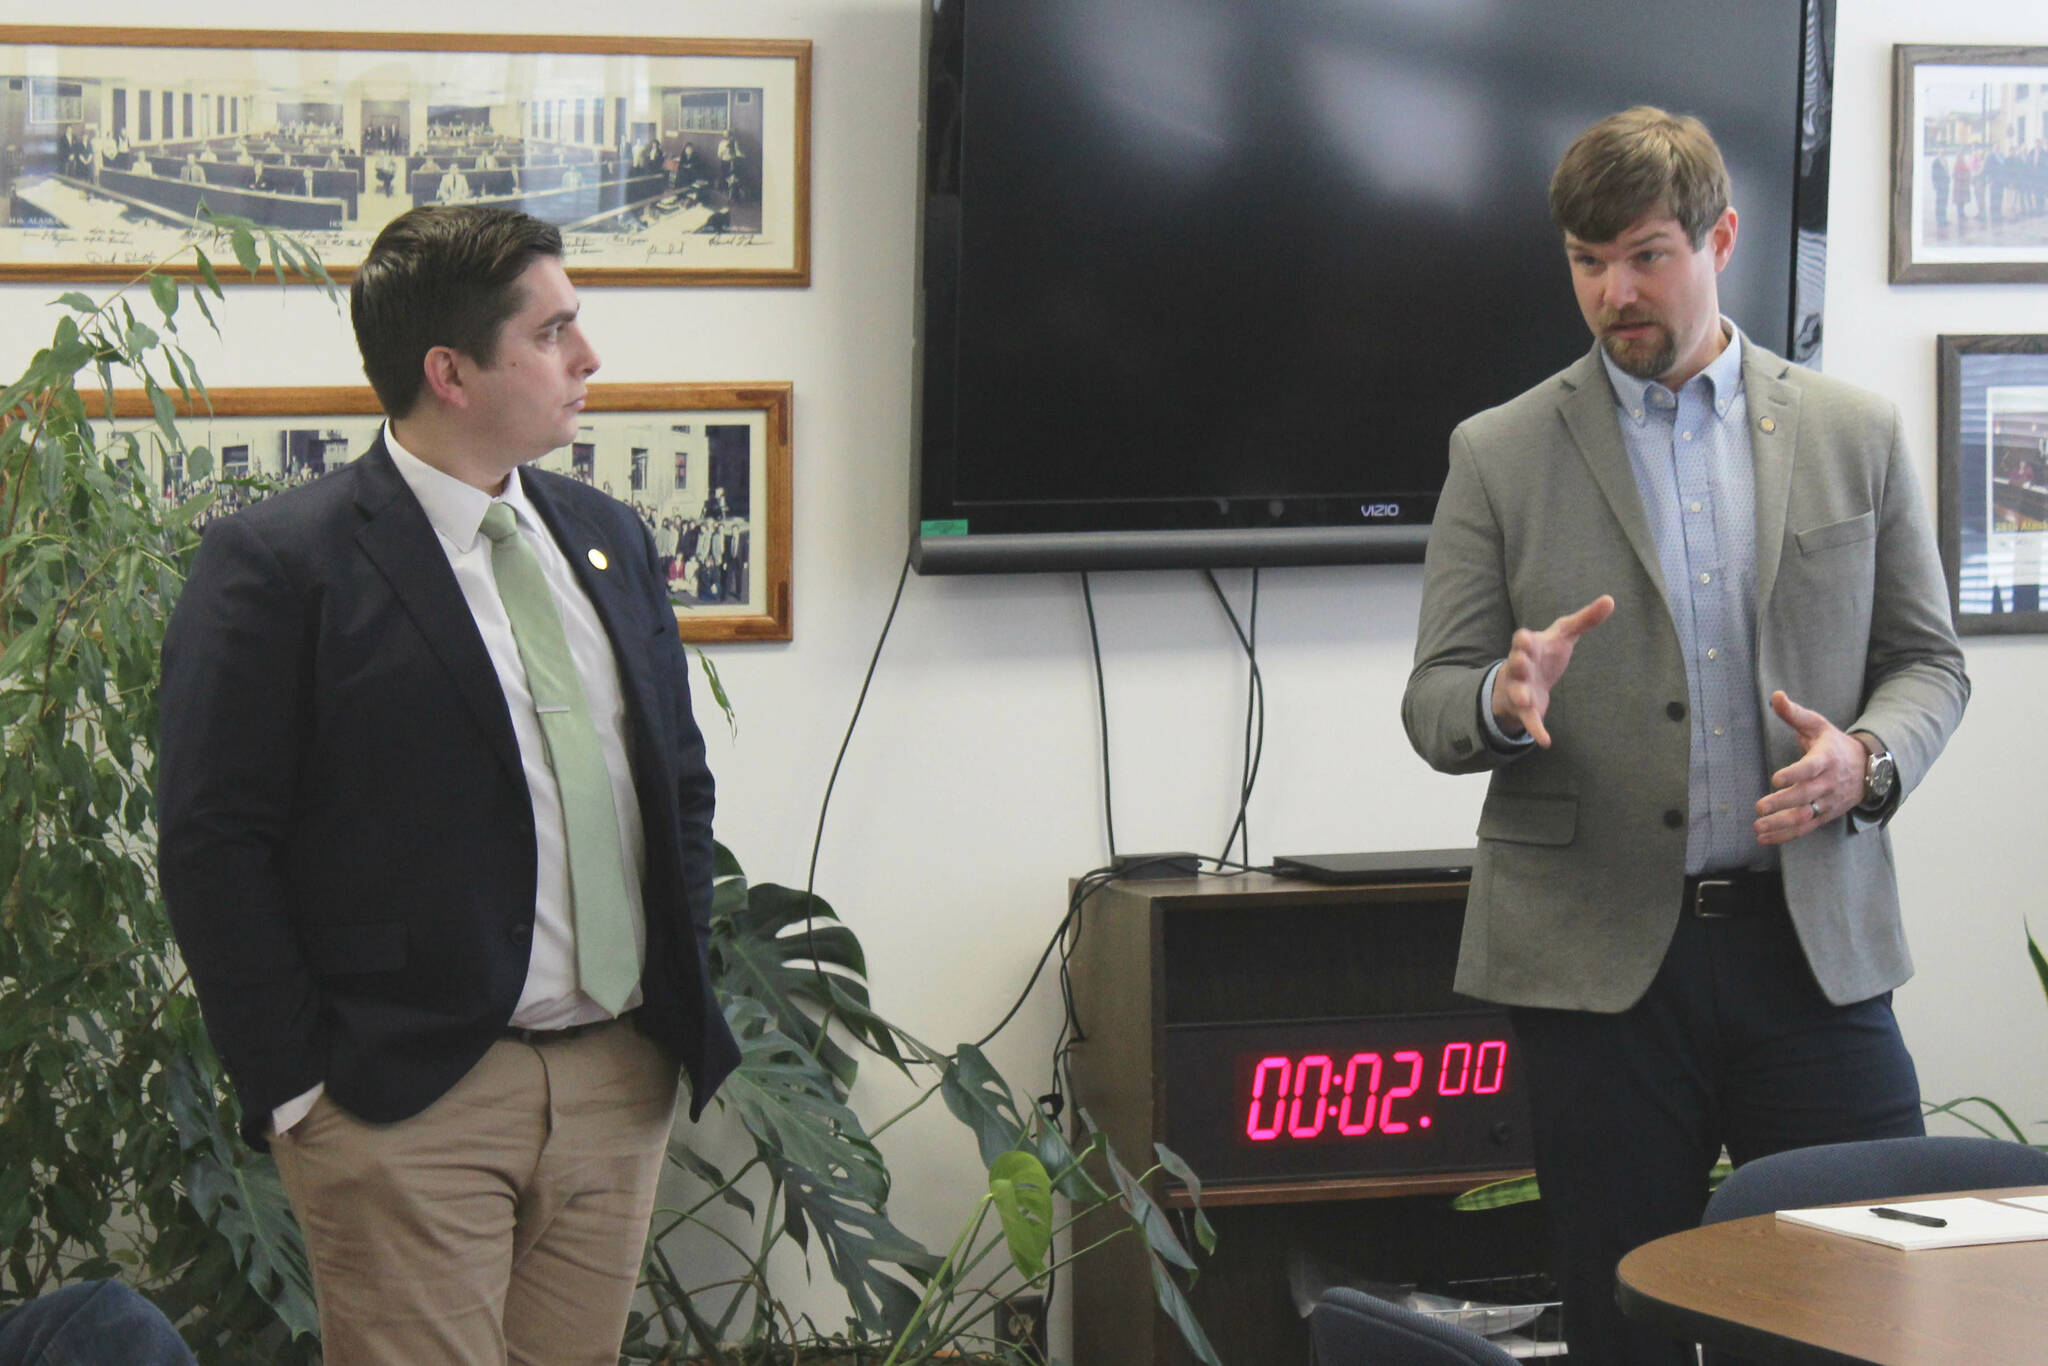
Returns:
(1992,468)
(707,467)
(1969,164)
(662,161)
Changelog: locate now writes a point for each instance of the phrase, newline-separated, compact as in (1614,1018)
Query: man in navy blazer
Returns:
(365,848)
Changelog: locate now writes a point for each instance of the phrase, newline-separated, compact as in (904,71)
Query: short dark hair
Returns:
(1640,161)
(440,275)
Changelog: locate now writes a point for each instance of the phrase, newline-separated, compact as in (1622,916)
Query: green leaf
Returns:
(2040,963)
(693,1162)
(25,643)
(1161,1247)
(166,412)
(787,1102)
(198,463)
(78,302)
(1518,1190)
(1205,1233)
(717,686)
(164,290)
(979,1098)
(830,1175)
(764,946)
(1022,1194)
(237,1192)
(245,250)
(1149,1218)
(207,275)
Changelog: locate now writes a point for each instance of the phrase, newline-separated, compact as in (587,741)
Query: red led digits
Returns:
(1277,1070)
(1290,1097)
(1463,1053)
(1480,1085)
(1313,1125)
(1346,1125)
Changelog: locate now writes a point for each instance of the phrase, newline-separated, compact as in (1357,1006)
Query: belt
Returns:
(1718,896)
(541,1037)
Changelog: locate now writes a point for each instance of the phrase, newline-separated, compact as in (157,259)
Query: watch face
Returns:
(1882,774)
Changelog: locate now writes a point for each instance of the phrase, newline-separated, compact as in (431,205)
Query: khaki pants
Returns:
(503,1224)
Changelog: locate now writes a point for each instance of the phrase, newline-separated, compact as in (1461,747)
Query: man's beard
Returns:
(1646,358)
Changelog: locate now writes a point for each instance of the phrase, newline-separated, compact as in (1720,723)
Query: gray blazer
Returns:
(1581,849)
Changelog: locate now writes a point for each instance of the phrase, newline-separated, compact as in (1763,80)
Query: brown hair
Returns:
(1640,161)
(440,275)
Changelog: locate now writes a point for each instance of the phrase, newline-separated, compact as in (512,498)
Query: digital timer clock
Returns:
(1363,1096)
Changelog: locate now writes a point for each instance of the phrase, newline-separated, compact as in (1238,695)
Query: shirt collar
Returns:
(455,509)
(1723,377)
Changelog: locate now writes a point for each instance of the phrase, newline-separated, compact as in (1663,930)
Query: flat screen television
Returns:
(1209,282)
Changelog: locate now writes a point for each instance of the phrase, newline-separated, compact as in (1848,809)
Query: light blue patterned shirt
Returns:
(1696,473)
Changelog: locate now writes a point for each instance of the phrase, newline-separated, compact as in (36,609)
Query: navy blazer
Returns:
(345,834)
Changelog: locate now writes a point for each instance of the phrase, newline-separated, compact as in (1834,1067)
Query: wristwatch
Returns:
(1880,771)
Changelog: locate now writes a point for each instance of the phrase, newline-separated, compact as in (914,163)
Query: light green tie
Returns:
(606,961)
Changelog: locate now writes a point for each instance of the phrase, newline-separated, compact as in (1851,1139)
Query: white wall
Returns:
(971,792)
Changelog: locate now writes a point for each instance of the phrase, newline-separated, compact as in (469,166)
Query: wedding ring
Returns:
(1814,807)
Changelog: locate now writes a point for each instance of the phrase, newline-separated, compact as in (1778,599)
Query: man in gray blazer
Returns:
(1682,601)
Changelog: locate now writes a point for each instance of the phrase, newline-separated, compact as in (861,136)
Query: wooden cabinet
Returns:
(1254,949)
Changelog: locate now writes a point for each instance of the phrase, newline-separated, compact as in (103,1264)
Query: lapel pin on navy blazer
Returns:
(364,805)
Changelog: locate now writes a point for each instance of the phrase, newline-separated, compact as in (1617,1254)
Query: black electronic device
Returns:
(1365,1096)
(1211,284)
(1365,869)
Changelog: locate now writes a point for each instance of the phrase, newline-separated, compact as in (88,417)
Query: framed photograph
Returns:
(1969,164)
(662,160)
(1993,481)
(707,467)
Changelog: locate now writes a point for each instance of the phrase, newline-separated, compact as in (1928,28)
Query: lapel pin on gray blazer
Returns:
(1682,604)
(452,980)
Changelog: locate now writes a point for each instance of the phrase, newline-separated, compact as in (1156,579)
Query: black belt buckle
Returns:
(1718,898)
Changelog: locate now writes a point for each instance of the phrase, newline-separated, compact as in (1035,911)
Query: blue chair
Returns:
(1875,1169)
(1351,1328)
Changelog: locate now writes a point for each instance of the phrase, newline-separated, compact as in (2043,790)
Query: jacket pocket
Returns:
(377,947)
(1528,820)
(1861,527)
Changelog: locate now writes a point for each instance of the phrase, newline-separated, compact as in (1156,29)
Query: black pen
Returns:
(1924,1220)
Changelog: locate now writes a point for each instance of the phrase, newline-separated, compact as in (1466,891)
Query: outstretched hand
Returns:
(1536,660)
(1819,786)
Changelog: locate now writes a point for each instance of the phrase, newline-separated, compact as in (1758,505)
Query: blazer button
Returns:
(1675,710)
(519,932)
(1674,819)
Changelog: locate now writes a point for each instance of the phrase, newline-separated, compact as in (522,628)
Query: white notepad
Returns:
(2039,1202)
(1970,1221)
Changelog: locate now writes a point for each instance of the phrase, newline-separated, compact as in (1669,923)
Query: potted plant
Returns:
(115,1156)
(786,966)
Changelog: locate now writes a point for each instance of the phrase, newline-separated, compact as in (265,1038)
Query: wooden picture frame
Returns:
(679,161)
(1992,481)
(727,444)
(1969,165)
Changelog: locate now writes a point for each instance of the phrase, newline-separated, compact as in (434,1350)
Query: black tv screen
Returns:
(1210,282)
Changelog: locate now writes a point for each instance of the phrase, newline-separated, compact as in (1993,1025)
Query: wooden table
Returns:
(1782,1292)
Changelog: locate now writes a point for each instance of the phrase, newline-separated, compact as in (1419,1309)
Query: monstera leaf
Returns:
(829,1175)
(237,1192)
(789,951)
(979,1098)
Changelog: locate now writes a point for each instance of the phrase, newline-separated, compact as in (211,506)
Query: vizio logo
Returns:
(1377,511)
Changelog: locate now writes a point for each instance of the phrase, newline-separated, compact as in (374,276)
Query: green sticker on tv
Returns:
(952,527)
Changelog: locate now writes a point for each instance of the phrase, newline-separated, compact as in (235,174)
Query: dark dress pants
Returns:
(1732,1044)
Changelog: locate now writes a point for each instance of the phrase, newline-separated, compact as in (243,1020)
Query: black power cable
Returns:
(1254,710)
(1102,710)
